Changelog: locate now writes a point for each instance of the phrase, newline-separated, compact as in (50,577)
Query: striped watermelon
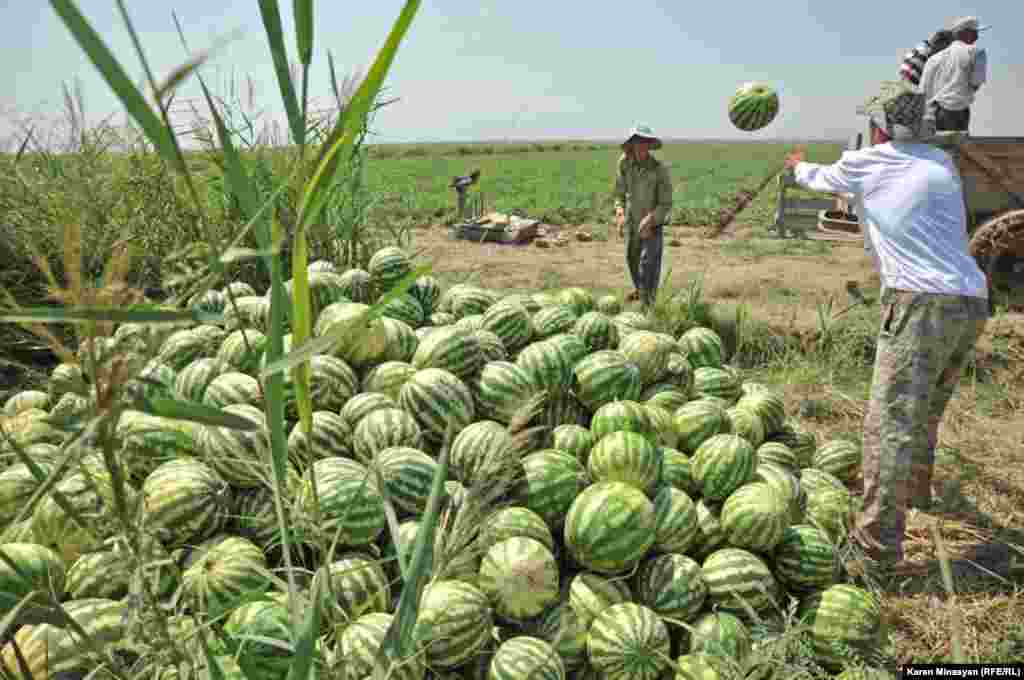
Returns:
(450,349)
(831,510)
(552,320)
(841,616)
(255,627)
(362,404)
(672,585)
(721,634)
(803,442)
(778,453)
(233,388)
(606,376)
(548,368)
(753,106)
(241,457)
(650,353)
(839,458)
(52,652)
(786,484)
(454,623)
(767,404)
(526,658)
(427,291)
(626,457)
(332,382)
(255,517)
(436,398)
(25,400)
(628,641)
(597,331)
(388,378)
(404,308)
(591,594)
(805,559)
(608,304)
(511,522)
(610,527)
(330,436)
(481,451)
(735,576)
(408,474)
(360,641)
(221,573)
(357,586)
(575,440)
(723,464)
(754,517)
(676,525)
(357,339)
(746,424)
(619,416)
(665,395)
(697,666)
(579,299)
(511,322)
(191,383)
(350,501)
(710,535)
(382,429)
(471,301)
(561,627)
(66,378)
(716,382)
(702,347)
(38,569)
(676,471)
(698,421)
(108,572)
(550,484)
(520,576)
(387,267)
(661,429)
(401,338)
(502,390)
(491,346)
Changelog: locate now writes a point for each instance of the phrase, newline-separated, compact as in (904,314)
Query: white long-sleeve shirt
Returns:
(952,76)
(910,200)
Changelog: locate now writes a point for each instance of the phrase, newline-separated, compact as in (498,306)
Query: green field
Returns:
(571,182)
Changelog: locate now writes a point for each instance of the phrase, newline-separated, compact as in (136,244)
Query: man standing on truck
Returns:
(934,308)
(643,202)
(952,77)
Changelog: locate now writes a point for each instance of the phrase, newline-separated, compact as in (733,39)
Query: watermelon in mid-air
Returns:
(754,106)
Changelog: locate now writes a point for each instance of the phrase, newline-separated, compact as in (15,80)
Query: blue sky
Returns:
(530,69)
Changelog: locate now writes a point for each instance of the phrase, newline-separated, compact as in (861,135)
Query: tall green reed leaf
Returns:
(271,14)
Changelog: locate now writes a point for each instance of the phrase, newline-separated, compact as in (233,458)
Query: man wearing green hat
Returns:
(643,202)
(934,306)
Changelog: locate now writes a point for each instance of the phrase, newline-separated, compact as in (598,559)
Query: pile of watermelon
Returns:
(670,512)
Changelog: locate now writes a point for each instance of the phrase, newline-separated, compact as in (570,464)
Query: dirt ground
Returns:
(782,288)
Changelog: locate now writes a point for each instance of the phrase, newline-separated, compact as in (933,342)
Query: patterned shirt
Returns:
(642,186)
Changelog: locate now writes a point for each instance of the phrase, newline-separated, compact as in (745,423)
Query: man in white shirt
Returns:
(934,308)
(952,77)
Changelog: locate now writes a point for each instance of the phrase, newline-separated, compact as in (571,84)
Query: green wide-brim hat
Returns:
(642,132)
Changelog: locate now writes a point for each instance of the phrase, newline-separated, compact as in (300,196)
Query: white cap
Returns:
(967,24)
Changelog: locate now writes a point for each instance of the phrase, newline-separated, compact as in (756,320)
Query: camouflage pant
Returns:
(644,259)
(923,344)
